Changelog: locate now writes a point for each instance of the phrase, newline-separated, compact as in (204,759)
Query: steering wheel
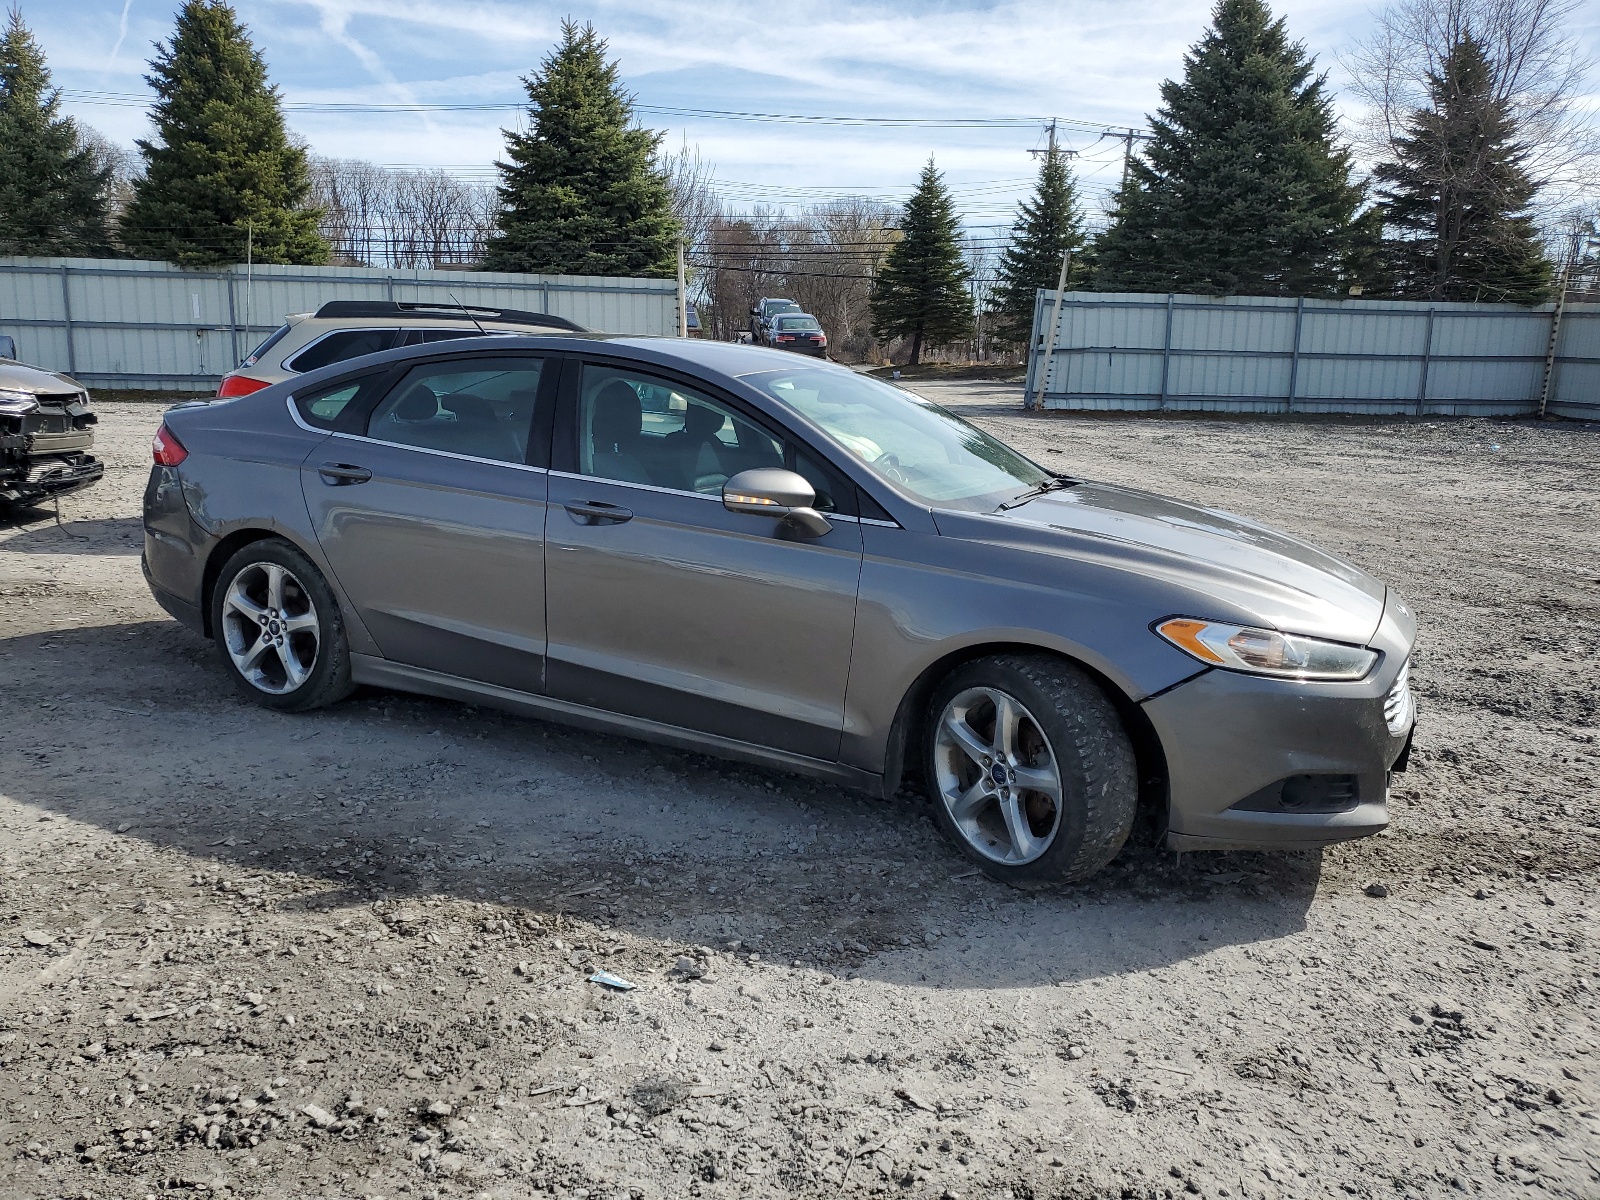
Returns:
(890,466)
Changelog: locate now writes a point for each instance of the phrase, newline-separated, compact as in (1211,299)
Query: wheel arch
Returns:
(905,749)
(225,549)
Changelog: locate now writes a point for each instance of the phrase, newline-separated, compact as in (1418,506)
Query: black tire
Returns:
(304,592)
(1088,749)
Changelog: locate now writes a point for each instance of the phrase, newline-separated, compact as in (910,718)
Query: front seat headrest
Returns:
(702,421)
(418,404)
(618,416)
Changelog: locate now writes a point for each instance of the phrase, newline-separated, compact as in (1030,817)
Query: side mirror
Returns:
(774,492)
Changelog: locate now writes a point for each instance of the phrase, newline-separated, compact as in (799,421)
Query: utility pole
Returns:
(1127,155)
(1051,129)
(249,280)
(1043,375)
(683,296)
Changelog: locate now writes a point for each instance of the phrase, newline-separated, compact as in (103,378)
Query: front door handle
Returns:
(342,474)
(598,512)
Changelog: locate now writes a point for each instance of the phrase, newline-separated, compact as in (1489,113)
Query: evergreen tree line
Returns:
(1243,185)
(582,190)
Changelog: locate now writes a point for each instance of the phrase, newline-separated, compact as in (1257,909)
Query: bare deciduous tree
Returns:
(823,257)
(120,164)
(426,219)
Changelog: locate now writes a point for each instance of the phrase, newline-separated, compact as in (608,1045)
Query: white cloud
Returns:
(1097,60)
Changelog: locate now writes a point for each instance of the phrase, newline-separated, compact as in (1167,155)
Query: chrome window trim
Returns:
(294,413)
(643,487)
(493,462)
(650,487)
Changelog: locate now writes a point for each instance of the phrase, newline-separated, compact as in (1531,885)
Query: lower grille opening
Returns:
(1306,794)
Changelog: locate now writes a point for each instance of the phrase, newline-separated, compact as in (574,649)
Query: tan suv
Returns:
(344,329)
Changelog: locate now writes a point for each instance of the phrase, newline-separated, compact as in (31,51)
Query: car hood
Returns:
(1249,569)
(19,377)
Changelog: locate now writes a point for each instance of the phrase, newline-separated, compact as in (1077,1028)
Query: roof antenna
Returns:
(467,315)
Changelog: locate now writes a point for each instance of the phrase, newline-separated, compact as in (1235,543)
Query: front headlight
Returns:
(17,404)
(1266,651)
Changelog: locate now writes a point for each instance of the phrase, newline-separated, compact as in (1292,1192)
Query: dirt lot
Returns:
(345,954)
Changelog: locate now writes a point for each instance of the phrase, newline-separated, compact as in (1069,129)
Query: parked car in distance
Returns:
(727,549)
(346,329)
(800,332)
(765,309)
(46,432)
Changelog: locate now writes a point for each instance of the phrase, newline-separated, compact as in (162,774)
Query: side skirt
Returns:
(380,672)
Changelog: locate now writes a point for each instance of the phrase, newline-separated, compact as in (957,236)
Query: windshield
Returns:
(803,323)
(916,445)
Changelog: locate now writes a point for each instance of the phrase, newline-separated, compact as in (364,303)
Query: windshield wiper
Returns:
(1053,484)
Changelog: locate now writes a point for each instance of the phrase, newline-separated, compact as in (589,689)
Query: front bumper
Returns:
(1254,762)
(32,480)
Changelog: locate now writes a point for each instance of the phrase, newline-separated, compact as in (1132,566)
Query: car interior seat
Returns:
(479,431)
(694,452)
(614,428)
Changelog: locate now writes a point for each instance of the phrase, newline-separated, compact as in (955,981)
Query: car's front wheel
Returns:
(278,628)
(1030,770)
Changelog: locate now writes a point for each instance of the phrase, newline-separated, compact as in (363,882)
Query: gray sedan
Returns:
(722,548)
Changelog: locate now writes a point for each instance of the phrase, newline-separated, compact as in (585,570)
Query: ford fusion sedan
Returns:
(730,549)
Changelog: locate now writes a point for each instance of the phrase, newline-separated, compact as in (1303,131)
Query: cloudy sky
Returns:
(938,62)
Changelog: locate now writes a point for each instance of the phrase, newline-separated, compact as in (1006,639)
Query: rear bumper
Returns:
(33,480)
(177,607)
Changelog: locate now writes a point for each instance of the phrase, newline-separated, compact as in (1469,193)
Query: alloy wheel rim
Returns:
(270,628)
(997,776)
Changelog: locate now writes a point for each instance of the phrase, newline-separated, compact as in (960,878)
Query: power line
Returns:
(128,100)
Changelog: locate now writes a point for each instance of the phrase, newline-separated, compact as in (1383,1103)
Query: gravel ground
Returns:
(346,954)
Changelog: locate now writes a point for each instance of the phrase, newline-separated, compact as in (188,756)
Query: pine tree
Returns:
(52,192)
(1457,193)
(1243,187)
(583,193)
(224,170)
(1047,225)
(921,292)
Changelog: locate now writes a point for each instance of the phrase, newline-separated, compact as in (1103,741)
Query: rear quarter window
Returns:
(322,407)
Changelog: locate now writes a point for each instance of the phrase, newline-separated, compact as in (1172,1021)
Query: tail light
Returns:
(239,385)
(786,337)
(822,339)
(166,449)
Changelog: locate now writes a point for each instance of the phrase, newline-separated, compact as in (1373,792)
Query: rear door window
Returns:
(478,407)
(346,343)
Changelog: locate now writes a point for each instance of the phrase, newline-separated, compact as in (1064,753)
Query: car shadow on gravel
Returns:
(136,729)
(41,534)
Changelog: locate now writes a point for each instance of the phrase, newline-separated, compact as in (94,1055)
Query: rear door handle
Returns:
(342,474)
(598,512)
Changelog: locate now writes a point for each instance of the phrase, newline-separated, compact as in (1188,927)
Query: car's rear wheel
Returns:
(1029,768)
(279,630)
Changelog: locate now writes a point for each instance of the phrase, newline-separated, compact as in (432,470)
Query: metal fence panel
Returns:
(128,323)
(1141,352)
(1575,387)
